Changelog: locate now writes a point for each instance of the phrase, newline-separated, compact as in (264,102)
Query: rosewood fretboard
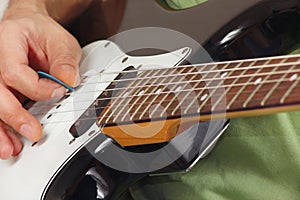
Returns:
(206,89)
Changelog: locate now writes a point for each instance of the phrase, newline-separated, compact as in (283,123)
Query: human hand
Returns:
(31,40)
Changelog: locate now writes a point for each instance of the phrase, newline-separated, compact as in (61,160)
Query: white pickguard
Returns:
(27,176)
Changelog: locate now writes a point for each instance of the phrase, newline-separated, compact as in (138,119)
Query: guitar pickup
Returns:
(89,117)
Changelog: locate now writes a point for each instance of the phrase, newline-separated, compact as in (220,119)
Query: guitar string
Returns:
(202,64)
(214,64)
(95,118)
(173,83)
(287,64)
(283,88)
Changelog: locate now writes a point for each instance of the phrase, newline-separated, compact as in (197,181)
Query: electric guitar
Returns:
(143,105)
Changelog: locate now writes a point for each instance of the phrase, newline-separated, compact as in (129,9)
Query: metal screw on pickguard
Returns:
(33,144)
(125,59)
(72,141)
(107,44)
(92,133)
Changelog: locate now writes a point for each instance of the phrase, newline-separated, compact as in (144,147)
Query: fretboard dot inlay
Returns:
(294,77)
(141,93)
(224,75)
(204,97)
(178,89)
(158,91)
(258,81)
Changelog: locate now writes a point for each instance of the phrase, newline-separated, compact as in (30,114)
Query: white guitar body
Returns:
(28,176)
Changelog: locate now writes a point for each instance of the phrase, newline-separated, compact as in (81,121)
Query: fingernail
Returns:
(77,81)
(58,92)
(27,131)
(6,151)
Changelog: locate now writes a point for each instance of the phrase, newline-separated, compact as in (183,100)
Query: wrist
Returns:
(21,8)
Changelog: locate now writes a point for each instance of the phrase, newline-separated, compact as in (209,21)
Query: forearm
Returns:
(63,11)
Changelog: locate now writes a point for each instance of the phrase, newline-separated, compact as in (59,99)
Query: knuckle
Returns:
(11,117)
(8,76)
(36,95)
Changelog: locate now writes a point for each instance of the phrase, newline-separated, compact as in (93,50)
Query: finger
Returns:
(13,114)
(64,61)
(6,146)
(16,142)
(17,74)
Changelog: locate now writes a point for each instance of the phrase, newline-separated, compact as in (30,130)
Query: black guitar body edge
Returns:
(269,28)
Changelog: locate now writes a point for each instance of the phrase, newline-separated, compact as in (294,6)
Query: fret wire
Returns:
(203,90)
(145,99)
(276,85)
(288,92)
(138,97)
(163,69)
(182,100)
(156,107)
(259,86)
(229,88)
(244,86)
(196,99)
(123,107)
(196,85)
(114,102)
(213,91)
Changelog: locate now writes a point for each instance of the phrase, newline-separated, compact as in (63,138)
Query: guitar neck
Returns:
(161,100)
(267,84)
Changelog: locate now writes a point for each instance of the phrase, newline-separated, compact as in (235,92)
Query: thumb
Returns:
(64,64)
(68,73)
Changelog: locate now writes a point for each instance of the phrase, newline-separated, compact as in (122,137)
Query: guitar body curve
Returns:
(32,172)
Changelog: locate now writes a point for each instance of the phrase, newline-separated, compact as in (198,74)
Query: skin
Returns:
(32,38)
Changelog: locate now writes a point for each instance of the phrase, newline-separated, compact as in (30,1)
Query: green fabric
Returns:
(257,158)
(180,4)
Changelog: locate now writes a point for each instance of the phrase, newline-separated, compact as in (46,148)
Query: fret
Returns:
(174,88)
(188,94)
(134,91)
(268,95)
(235,97)
(202,90)
(190,90)
(260,85)
(215,88)
(288,92)
(232,84)
(157,106)
(108,114)
(210,67)
(149,96)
